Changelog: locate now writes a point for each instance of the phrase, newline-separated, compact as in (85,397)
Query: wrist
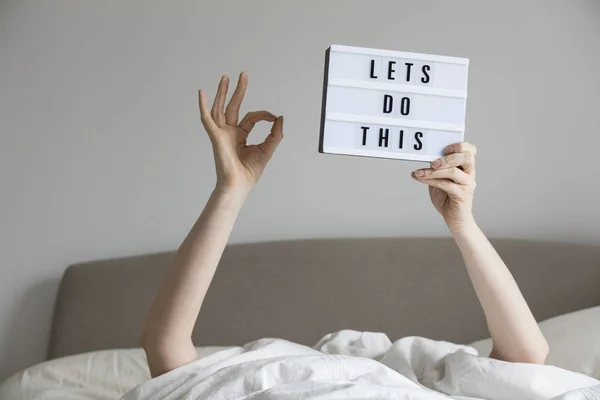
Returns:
(240,191)
(464,228)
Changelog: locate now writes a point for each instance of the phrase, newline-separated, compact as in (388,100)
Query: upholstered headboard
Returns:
(300,290)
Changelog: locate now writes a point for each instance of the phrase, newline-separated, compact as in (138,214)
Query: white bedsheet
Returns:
(362,365)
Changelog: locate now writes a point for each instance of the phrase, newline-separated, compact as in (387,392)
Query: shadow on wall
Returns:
(32,312)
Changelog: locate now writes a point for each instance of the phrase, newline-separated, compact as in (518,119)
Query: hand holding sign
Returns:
(451,181)
(237,164)
(381,103)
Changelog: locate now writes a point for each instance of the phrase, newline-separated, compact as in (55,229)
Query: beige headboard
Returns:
(300,290)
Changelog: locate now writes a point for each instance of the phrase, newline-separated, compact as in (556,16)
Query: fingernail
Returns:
(419,172)
(437,163)
(448,148)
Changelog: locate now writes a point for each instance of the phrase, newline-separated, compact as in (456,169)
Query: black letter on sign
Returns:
(364,129)
(390,70)
(373,69)
(383,138)
(401,138)
(425,78)
(408,66)
(388,102)
(419,144)
(405,106)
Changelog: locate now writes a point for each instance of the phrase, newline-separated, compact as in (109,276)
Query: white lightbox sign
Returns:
(392,104)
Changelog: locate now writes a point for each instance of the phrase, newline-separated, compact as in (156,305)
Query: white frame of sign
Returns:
(392,104)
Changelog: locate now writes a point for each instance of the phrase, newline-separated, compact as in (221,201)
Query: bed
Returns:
(301,289)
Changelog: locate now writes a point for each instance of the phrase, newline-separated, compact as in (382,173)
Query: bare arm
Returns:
(168,331)
(167,336)
(515,333)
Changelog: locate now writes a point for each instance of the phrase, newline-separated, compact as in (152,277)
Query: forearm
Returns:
(515,333)
(173,314)
(167,336)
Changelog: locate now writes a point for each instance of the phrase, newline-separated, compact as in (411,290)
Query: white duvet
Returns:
(362,365)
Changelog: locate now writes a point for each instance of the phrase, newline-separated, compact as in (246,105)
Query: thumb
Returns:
(272,141)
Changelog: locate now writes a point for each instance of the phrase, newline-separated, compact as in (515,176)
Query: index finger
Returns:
(461,155)
(248,122)
(464,160)
(462,147)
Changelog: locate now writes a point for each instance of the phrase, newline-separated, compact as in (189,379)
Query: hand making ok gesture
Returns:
(237,164)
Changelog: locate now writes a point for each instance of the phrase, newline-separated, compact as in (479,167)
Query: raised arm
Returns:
(515,334)
(167,336)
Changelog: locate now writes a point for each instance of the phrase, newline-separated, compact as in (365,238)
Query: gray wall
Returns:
(102,153)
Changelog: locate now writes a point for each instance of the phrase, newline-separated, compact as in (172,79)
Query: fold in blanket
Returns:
(362,365)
